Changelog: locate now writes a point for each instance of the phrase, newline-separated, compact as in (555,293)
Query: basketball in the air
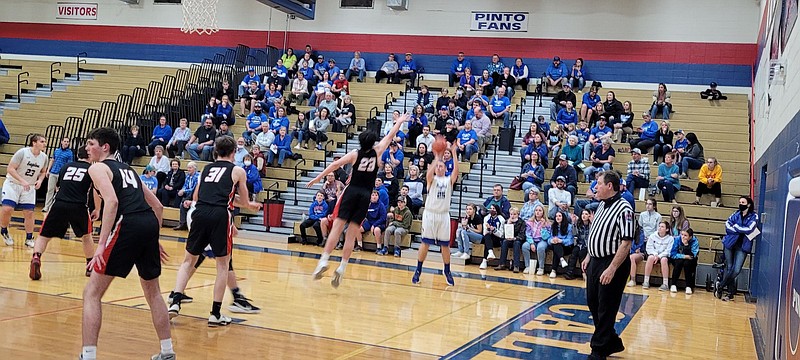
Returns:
(439,145)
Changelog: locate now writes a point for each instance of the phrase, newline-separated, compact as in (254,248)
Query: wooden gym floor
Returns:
(375,313)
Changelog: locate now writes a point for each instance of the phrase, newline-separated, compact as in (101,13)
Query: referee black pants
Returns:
(604,301)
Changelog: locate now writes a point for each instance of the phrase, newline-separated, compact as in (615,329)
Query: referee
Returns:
(607,267)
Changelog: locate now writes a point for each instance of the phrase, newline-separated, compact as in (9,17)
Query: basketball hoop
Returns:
(200,16)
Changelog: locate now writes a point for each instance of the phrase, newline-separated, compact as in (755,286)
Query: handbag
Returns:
(516,183)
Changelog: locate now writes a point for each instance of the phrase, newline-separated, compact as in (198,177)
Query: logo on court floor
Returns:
(560,327)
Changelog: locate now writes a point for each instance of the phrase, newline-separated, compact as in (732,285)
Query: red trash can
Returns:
(273,212)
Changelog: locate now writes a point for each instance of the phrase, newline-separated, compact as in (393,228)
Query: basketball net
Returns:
(200,17)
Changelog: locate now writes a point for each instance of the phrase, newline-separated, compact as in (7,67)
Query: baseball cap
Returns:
(556,58)
(149,168)
(223,122)
(251,69)
(713,84)
(562,157)
(566,84)
(450,122)
(636,150)
(332,60)
(534,190)
(561,178)
(320,57)
(623,182)
(679,131)
(443,108)
(401,198)
(408,53)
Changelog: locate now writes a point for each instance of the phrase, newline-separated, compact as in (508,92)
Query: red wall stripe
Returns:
(639,51)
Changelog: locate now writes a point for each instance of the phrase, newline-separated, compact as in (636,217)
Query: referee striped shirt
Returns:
(613,222)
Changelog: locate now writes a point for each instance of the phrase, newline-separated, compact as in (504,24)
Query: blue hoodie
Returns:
(459,65)
(739,227)
(376,215)
(678,249)
(649,130)
(590,101)
(253,177)
(557,72)
(317,210)
(383,196)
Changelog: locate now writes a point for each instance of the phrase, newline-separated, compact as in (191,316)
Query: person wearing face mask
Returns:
(241,151)
(254,185)
(741,231)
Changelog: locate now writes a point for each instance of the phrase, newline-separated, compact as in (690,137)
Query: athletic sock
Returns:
(342,267)
(324,257)
(647,279)
(419,266)
(89,353)
(28,236)
(236,293)
(215,308)
(166,346)
(446,268)
(4,231)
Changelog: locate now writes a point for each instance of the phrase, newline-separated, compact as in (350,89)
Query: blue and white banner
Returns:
(499,21)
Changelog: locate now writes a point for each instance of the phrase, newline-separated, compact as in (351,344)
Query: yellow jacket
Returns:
(706,173)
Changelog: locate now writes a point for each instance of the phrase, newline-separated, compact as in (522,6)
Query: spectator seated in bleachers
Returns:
(299,130)
(340,86)
(559,199)
(394,155)
(441,101)
(382,192)
(532,173)
(329,103)
(678,221)
(710,182)
(485,83)
(318,128)
(399,227)
(283,75)
(536,236)
(506,81)
(281,146)
(483,128)
(554,140)
(357,67)
(684,257)
(299,92)
(407,70)
(306,71)
(259,161)
(333,70)
(224,112)
(289,60)
(662,103)
(225,89)
(422,154)
(252,96)
(317,210)
(577,75)
(415,123)
(254,121)
(555,75)
(241,152)
(602,159)
(648,224)
(375,222)
(332,188)
(580,239)
(468,83)
(538,146)
(265,137)
(647,134)
(561,240)
(180,137)
(248,79)
(512,239)
(211,108)
(680,146)
(520,73)
(574,153)
(469,231)
(148,178)
(254,185)
(668,179)
(184,196)
(424,100)
(387,71)
(693,158)
(638,174)
(500,107)
(598,112)
(568,172)
(624,193)
(567,115)
(390,182)
(493,232)
(467,142)
(613,108)
(532,196)
(528,139)
(457,69)
(596,136)
(440,120)
(416,189)
(173,182)
(498,199)
(134,146)
(559,101)
(278,120)
(321,68)
(160,163)
(659,249)
(346,115)
(321,90)
(663,142)
(623,124)
(590,99)
(480,98)
(711,93)
(426,139)
(202,141)
(270,96)
(495,67)
(591,202)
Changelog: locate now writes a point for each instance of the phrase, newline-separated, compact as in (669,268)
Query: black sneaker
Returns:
(242,305)
(357,248)
(184,298)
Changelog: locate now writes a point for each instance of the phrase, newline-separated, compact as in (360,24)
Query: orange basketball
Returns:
(439,145)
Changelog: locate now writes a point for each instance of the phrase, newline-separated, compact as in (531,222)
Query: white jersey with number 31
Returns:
(29,165)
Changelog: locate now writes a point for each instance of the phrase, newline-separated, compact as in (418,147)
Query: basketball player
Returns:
(436,217)
(211,224)
(69,209)
(352,206)
(128,236)
(26,171)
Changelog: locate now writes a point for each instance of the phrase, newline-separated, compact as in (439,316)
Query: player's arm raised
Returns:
(349,158)
(101,177)
(384,144)
(240,178)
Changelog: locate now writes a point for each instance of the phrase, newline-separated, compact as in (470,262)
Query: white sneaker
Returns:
(337,278)
(688,291)
(465,256)
(491,255)
(222,320)
(9,241)
(319,272)
(527,270)
(483,265)
(631,283)
(29,243)
(553,274)
(673,289)
(174,311)
(457,254)
(563,263)
(663,287)
(540,272)
(645,285)
(297,146)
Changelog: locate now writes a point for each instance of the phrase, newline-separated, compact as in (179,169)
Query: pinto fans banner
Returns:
(77,11)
